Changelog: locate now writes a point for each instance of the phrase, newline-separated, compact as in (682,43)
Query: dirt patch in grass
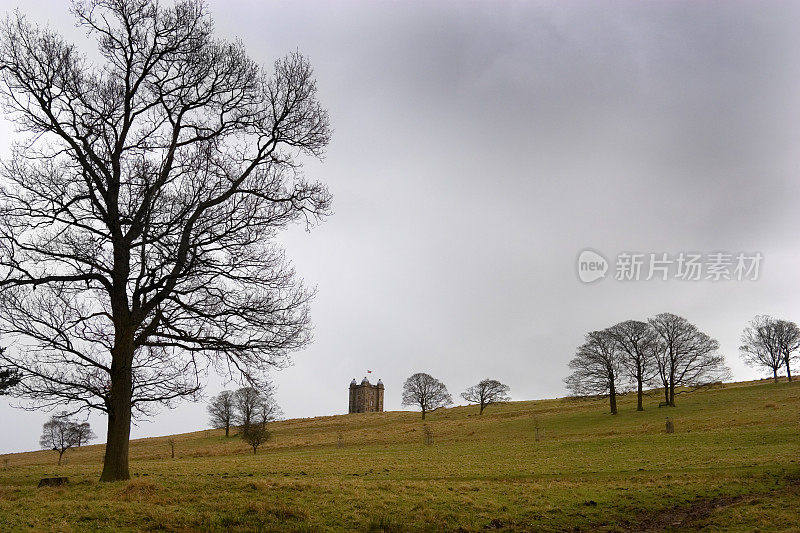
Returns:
(682,517)
(686,517)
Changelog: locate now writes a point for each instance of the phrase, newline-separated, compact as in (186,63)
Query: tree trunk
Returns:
(423,413)
(613,399)
(775,375)
(115,466)
(639,406)
(227,429)
(482,406)
(666,394)
(60,454)
(788,369)
(672,394)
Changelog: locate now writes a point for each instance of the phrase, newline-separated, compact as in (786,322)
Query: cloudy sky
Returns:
(479,147)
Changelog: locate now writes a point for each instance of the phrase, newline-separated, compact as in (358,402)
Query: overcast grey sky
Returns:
(480,146)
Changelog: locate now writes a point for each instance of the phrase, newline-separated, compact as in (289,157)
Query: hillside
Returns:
(733,461)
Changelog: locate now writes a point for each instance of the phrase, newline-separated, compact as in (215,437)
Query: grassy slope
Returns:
(734,461)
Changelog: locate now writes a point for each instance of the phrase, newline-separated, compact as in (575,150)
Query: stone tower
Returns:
(366,397)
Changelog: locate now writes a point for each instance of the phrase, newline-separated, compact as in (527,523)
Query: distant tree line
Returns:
(249,409)
(666,350)
(771,344)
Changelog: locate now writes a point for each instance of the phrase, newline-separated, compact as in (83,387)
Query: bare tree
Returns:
(268,409)
(256,434)
(83,433)
(247,401)
(636,342)
(427,435)
(597,368)
(138,222)
(58,434)
(760,345)
(685,356)
(253,406)
(426,392)
(257,410)
(788,339)
(222,411)
(486,392)
(538,429)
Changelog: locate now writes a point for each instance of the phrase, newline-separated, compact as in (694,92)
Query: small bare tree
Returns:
(138,217)
(427,435)
(255,409)
(597,368)
(636,342)
(538,429)
(487,392)
(425,391)
(760,346)
(256,434)
(58,434)
(268,409)
(685,356)
(788,339)
(222,411)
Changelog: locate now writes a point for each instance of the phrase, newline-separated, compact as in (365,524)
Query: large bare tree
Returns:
(138,214)
(635,340)
(425,391)
(788,339)
(487,392)
(597,368)
(760,346)
(685,356)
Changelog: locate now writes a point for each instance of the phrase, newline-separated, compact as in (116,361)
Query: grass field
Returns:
(733,463)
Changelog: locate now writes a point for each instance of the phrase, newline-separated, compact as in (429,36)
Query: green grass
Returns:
(733,463)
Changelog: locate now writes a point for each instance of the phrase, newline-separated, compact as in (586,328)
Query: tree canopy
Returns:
(425,391)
